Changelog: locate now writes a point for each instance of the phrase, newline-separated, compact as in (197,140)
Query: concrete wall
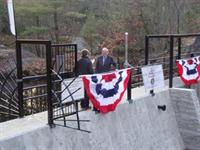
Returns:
(136,126)
(196,87)
(187,110)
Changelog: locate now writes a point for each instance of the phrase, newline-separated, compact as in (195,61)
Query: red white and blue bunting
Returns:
(106,90)
(189,70)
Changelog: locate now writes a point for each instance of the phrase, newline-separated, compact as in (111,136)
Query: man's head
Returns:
(105,51)
(84,52)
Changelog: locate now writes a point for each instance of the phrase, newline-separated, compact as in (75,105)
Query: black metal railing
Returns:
(168,60)
(8,91)
(35,97)
(29,97)
(172,58)
(34,92)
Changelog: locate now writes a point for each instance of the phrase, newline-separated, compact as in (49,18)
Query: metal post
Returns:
(19,78)
(191,54)
(171,61)
(76,59)
(126,64)
(179,48)
(126,49)
(49,84)
(146,50)
(129,97)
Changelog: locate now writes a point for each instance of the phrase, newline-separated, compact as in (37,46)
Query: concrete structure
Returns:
(137,126)
(187,109)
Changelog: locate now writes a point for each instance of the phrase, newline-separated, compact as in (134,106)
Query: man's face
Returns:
(104,51)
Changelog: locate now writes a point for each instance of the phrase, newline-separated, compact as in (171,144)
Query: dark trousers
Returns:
(85,101)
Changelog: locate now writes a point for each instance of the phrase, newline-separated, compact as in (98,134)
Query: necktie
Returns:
(104,58)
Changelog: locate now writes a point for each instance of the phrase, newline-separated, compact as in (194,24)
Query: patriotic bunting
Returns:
(189,70)
(106,90)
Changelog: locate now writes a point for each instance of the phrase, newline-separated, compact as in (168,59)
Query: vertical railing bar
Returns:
(19,78)
(49,83)
(31,101)
(171,61)
(146,50)
(129,98)
(76,58)
(179,48)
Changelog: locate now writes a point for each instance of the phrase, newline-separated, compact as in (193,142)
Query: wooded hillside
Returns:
(100,22)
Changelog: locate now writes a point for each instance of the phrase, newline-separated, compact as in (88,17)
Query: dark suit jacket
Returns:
(84,66)
(107,64)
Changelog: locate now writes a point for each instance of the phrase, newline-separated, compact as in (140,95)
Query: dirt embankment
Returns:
(32,64)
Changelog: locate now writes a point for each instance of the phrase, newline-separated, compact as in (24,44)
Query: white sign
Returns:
(78,83)
(153,77)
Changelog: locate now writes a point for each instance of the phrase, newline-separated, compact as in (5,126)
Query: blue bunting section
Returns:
(189,70)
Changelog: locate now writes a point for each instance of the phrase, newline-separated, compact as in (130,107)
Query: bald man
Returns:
(104,62)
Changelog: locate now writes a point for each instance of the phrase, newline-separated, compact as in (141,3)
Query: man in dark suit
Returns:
(84,66)
(104,63)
